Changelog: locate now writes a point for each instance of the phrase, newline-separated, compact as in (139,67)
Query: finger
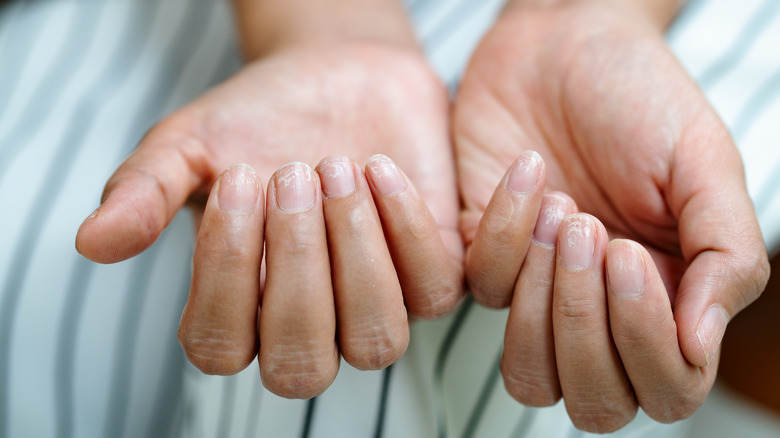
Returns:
(144,194)
(504,232)
(431,283)
(595,388)
(298,355)
(373,329)
(642,323)
(727,261)
(218,329)
(528,360)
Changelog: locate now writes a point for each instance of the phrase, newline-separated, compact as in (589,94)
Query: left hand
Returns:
(627,133)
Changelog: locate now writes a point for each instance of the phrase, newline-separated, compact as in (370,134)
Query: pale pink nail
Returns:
(712,327)
(626,270)
(551,214)
(577,242)
(385,175)
(525,172)
(238,189)
(338,176)
(295,188)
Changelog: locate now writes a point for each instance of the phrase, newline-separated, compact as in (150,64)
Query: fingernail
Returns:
(626,271)
(337,176)
(238,189)
(385,175)
(525,172)
(94,213)
(578,242)
(711,329)
(551,214)
(294,188)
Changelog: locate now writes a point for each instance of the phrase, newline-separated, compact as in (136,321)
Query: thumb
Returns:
(727,261)
(143,195)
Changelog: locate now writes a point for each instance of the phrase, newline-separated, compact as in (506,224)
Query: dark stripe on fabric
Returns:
(227,403)
(186,38)
(728,61)
(524,423)
(253,412)
(308,418)
(126,342)
(484,397)
(168,401)
(384,394)
(64,362)
(91,105)
(19,49)
(29,236)
(441,362)
(51,89)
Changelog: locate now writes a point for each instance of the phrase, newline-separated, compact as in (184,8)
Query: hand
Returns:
(622,129)
(341,244)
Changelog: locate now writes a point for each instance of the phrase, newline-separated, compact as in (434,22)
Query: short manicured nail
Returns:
(525,172)
(577,240)
(626,270)
(551,213)
(238,189)
(711,329)
(385,175)
(337,176)
(295,189)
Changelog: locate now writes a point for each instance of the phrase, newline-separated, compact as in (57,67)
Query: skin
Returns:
(342,272)
(622,129)
(618,126)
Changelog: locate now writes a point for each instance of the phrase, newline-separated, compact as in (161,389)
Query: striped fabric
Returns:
(91,351)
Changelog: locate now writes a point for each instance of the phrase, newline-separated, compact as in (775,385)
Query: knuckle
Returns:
(579,308)
(375,348)
(298,374)
(601,420)
(442,299)
(214,353)
(528,388)
(676,407)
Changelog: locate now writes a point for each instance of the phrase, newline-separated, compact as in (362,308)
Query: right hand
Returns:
(355,260)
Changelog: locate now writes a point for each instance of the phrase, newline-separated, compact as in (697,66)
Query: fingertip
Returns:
(384,176)
(625,269)
(239,190)
(526,173)
(118,229)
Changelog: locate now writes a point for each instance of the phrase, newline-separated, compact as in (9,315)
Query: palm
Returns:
(305,105)
(604,104)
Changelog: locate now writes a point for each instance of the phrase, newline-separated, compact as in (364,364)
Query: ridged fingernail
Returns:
(551,214)
(385,175)
(524,175)
(238,189)
(712,327)
(626,270)
(337,176)
(577,242)
(295,188)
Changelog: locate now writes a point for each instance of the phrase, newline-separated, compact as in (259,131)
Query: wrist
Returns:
(267,26)
(660,12)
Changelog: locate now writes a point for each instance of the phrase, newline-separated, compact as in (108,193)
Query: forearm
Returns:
(660,12)
(266,25)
